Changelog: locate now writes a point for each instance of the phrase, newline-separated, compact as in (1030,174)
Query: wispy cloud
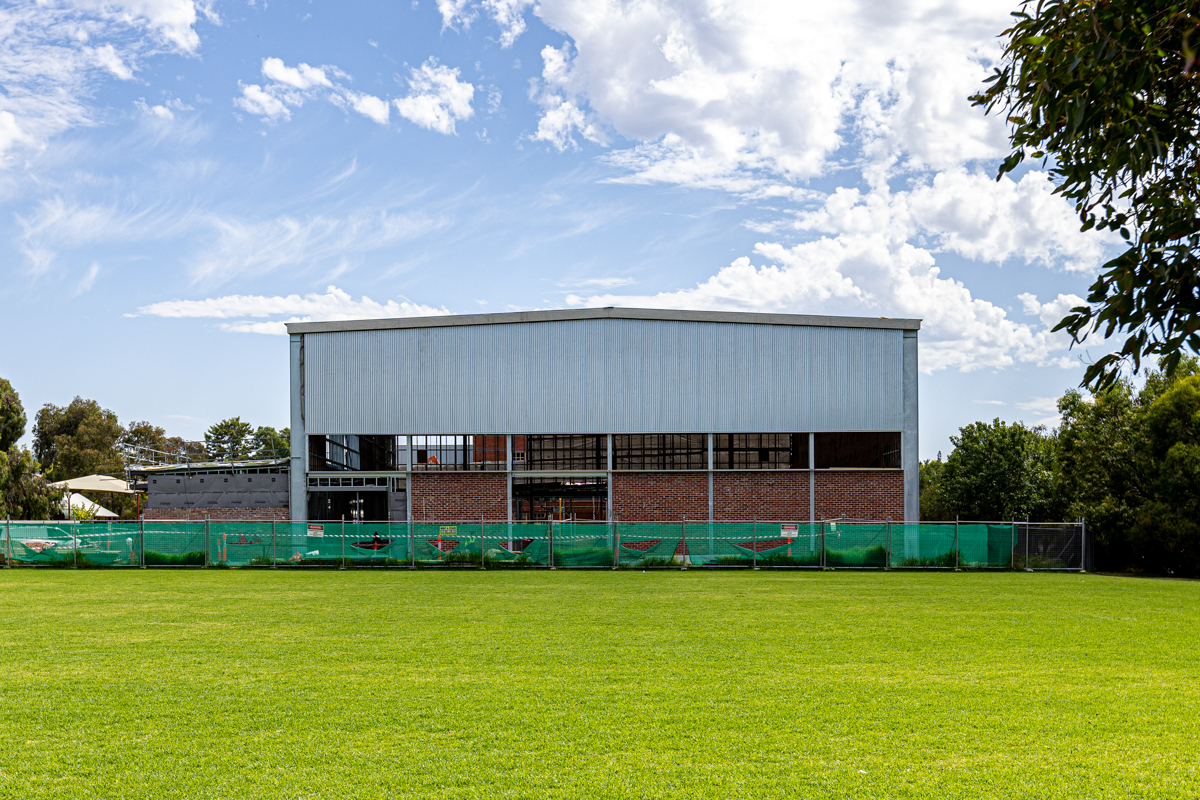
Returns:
(436,98)
(289,87)
(597,283)
(334,304)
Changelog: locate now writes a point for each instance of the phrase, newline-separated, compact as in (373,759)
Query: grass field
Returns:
(261,684)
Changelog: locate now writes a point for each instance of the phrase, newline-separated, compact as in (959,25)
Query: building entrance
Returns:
(583,498)
(357,506)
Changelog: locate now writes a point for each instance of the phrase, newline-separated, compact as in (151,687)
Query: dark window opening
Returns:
(439,453)
(584,498)
(637,451)
(352,453)
(873,450)
(352,506)
(760,451)
(560,452)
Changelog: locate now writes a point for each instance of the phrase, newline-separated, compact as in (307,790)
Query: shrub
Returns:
(194,558)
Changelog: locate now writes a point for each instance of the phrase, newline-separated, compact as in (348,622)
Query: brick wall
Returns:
(459,496)
(765,495)
(655,496)
(217,514)
(860,495)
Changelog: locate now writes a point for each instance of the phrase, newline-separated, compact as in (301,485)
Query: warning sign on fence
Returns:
(789,531)
(448,530)
(316,531)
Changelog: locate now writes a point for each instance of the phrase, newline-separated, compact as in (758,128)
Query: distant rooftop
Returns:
(665,315)
(194,466)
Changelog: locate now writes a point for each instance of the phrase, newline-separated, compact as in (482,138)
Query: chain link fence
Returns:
(833,544)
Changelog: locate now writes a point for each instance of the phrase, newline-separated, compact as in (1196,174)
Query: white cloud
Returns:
(302,76)
(436,98)
(711,89)
(598,283)
(264,103)
(54,56)
(290,87)
(335,304)
(509,15)
(869,275)
(368,105)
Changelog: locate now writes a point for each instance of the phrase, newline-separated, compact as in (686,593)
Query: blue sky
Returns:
(178,178)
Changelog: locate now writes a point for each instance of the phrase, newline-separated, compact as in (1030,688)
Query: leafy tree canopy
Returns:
(1108,92)
(270,443)
(12,416)
(23,493)
(229,440)
(1000,471)
(77,439)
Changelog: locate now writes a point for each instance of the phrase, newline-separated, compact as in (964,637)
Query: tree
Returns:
(1108,92)
(12,416)
(23,493)
(270,443)
(78,439)
(1000,471)
(1129,463)
(933,500)
(229,440)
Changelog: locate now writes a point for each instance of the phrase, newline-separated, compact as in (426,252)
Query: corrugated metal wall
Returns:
(603,376)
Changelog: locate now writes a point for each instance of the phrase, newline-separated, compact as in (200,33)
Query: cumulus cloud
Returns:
(334,304)
(436,98)
(290,87)
(54,56)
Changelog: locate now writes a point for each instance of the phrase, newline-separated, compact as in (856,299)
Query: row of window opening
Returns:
(583,452)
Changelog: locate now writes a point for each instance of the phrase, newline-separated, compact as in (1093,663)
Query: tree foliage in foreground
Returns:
(1108,91)
(24,494)
(1126,461)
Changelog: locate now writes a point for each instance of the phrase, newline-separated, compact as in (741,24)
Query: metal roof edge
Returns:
(568,315)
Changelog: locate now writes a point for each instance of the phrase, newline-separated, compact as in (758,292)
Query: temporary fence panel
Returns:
(176,544)
(82,544)
(567,543)
(1047,545)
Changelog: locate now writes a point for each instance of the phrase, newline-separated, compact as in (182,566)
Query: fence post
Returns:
(273,559)
(887,545)
(683,541)
(754,545)
(1027,569)
(1082,545)
(823,535)
(482,546)
(616,543)
(7,543)
(550,541)
(956,542)
(343,541)
(207,544)
(412,541)
(1012,554)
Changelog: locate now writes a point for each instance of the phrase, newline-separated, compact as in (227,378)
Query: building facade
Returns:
(605,413)
(217,490)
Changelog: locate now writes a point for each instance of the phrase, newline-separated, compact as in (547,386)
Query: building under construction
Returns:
(604,414)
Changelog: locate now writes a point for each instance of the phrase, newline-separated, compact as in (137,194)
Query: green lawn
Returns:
(275,684)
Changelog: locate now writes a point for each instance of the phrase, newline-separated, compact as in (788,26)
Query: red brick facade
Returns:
(764,495)
(655,496)
(217,514)
(860,495)
(459,496)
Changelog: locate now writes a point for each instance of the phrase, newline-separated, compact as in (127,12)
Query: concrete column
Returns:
(909,450)
(298,464)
